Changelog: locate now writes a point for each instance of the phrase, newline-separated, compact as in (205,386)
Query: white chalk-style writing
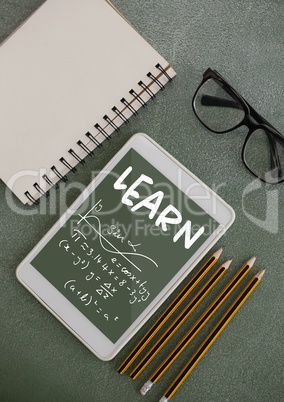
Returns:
(87,299)
(119,276)
(188,239)
(91,220)
(152,203)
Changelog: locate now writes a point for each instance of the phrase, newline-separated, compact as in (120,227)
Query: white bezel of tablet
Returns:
(64,310)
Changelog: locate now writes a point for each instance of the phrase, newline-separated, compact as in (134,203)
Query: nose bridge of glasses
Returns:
(249,122)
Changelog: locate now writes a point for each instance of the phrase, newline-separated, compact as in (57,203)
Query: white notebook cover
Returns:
(60,73)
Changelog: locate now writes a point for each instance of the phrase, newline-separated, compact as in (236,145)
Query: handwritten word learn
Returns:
(153,203)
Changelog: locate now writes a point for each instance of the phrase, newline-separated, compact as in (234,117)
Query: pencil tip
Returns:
(251,261)
(146,387)
(260,274)
(227,264)
(218,252)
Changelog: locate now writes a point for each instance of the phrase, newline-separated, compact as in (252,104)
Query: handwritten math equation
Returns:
(96,268)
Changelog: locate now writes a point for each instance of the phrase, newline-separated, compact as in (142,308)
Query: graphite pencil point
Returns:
(218,252)
(251,261)
(260,274)
(227,264)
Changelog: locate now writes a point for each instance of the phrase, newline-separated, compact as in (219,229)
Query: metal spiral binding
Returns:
(40,190)
(67,164)
(137,97)
(159,67)
(49,182)
(58,174)
(76,156)
(147,89)
(31,198)
(129,106)
(102,131)
(94,140)
(150,75)
(118,114)
(111,123)
(85,148)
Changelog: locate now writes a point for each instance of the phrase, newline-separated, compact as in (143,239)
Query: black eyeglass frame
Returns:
(250,114)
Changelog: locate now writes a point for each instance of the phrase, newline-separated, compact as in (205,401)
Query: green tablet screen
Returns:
(124,244)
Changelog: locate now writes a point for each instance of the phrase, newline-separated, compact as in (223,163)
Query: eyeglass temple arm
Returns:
(208,100)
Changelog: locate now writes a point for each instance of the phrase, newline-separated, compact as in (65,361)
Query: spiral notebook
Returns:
(69,77)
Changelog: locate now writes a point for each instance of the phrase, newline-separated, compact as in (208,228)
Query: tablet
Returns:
(124,245)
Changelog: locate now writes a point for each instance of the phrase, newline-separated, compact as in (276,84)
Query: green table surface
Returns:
(40,360)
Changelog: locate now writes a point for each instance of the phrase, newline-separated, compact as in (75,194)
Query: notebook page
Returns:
(60,73)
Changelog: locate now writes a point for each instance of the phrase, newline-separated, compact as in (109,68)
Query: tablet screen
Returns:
(123,245)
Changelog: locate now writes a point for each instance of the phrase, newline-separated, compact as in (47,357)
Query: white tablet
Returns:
(124,245)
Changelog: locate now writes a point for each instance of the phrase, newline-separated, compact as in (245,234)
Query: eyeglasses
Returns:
(221,109)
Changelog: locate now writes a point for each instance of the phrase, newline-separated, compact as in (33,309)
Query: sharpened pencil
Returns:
(169,311)
(197,326)
(185,313)
(210,339)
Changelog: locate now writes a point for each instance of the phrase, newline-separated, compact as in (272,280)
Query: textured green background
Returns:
(39,359)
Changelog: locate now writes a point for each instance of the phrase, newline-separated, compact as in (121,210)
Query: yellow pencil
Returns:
(196,327)
(185,313)
(210,339)
(169,311)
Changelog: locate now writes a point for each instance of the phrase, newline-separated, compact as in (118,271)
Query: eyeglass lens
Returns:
(264,156)
(216,106)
